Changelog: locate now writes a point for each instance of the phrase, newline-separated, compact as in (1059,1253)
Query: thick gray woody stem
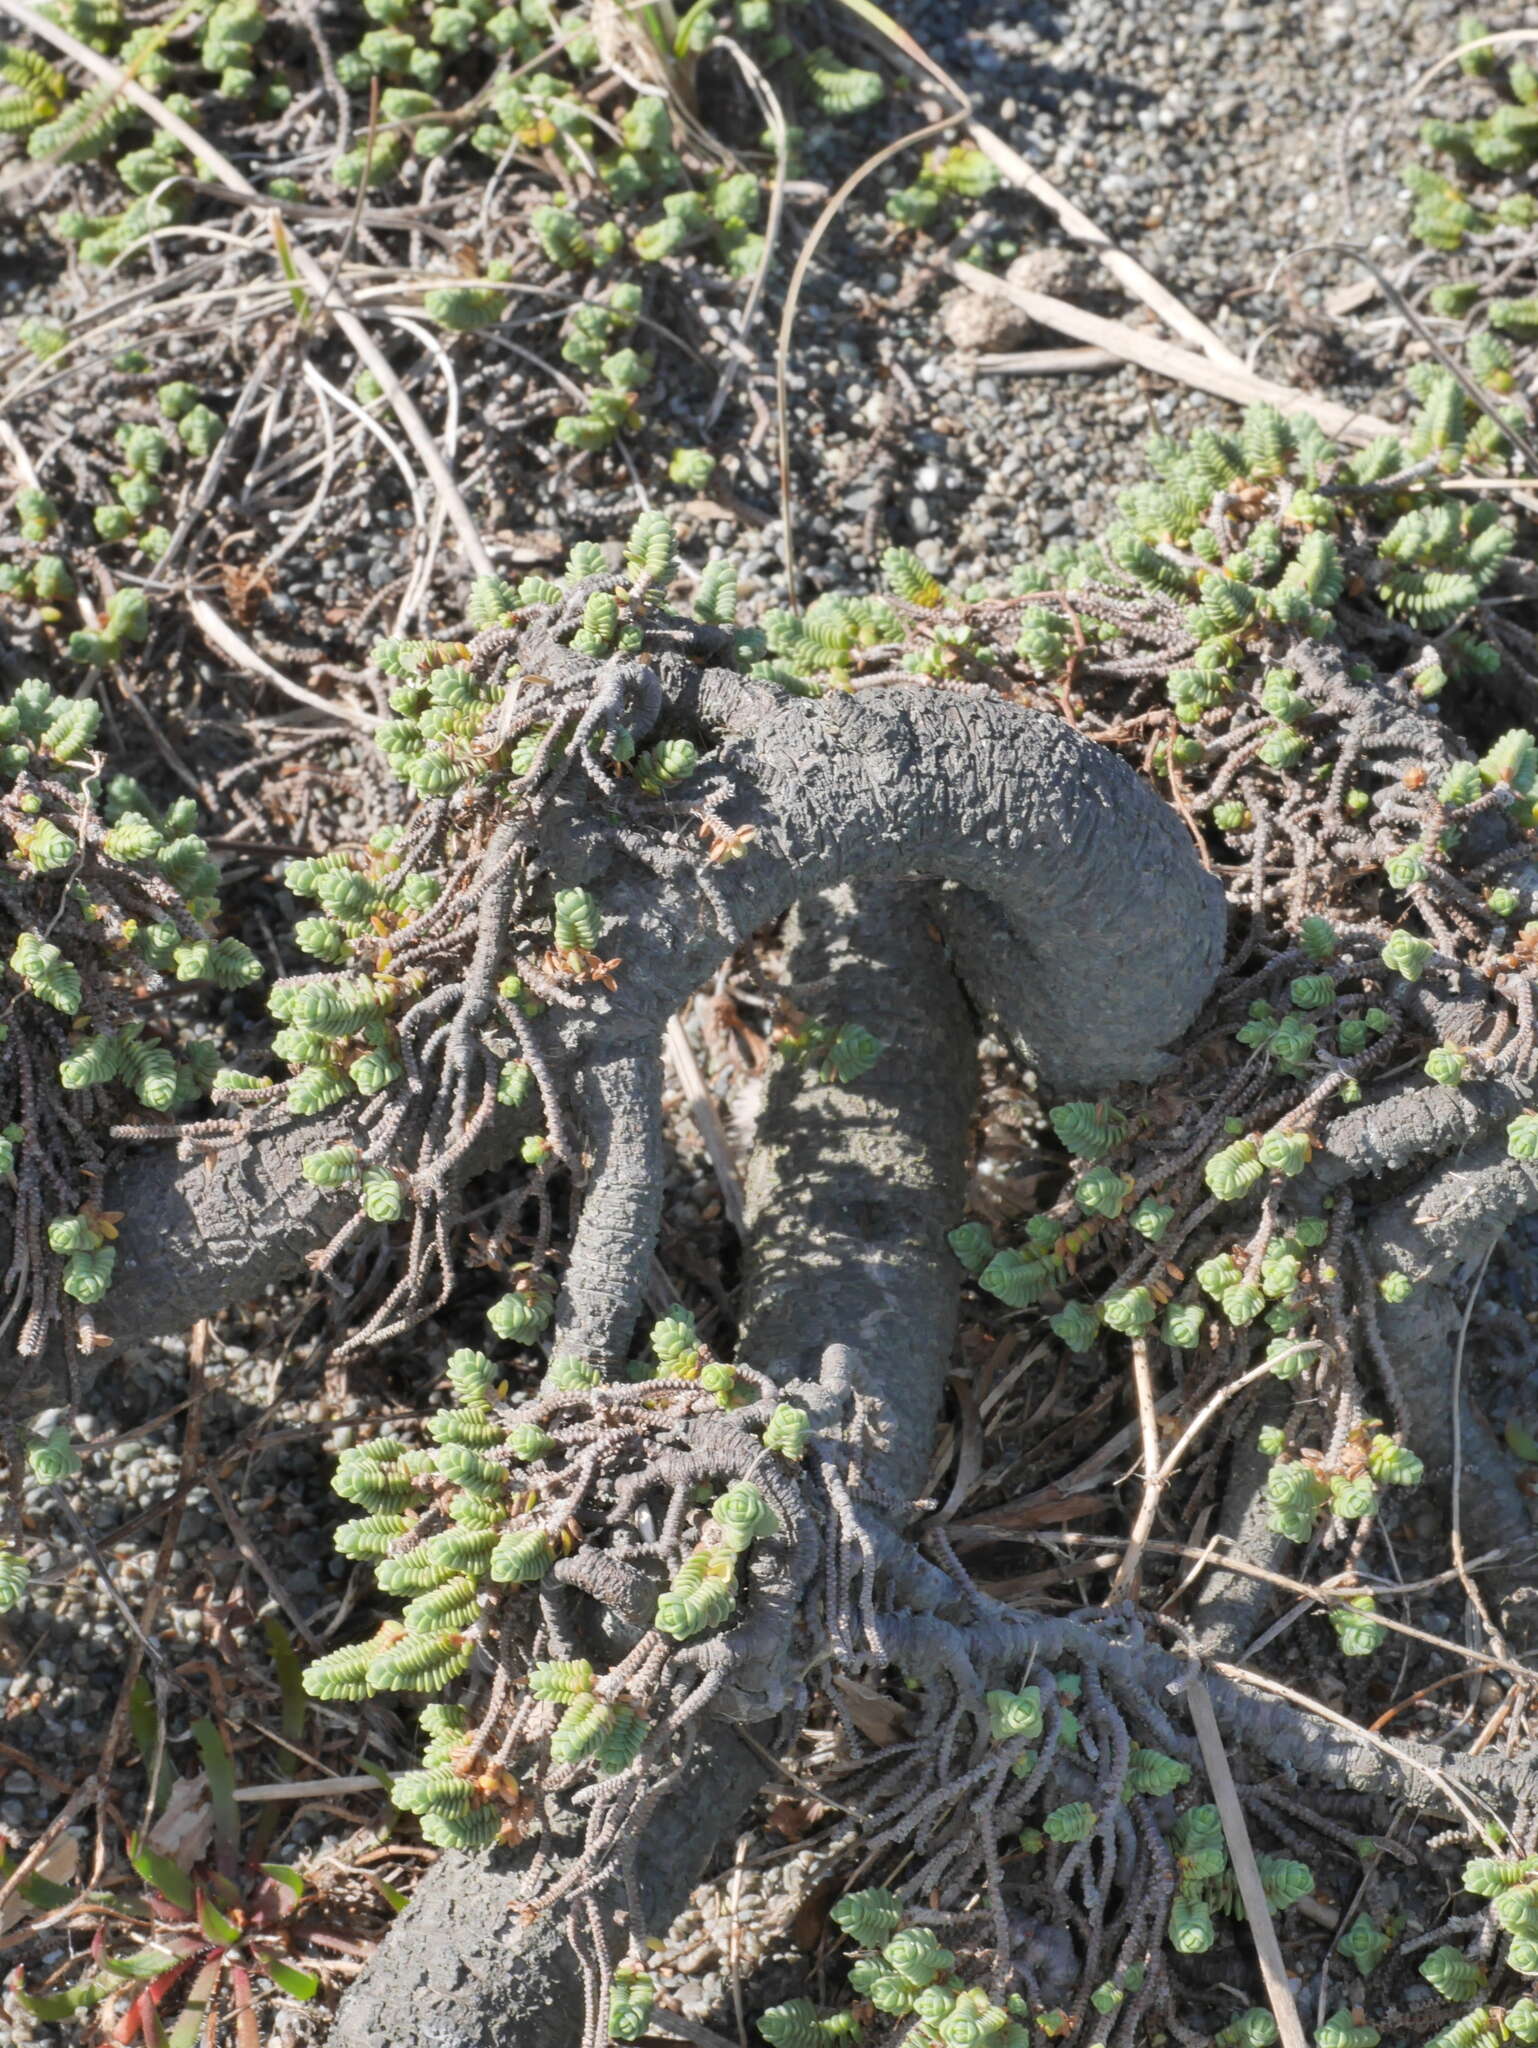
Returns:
(1437,1229)
(1100,938)
(850,1192)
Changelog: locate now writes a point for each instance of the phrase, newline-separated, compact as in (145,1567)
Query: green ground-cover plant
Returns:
(611,193)
(603,798)
(1236,566)
(109,919)
(1475,189)
(151,453)
(958,175)
(1495,150)
(1241,572)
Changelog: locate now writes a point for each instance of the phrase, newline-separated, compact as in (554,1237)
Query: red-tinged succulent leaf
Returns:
(217,1927)
(205,1989)
(142,2021)
(62,2005)
(302,1984)
(152,2031)
(138,2022)
(247,2034)
(219,1768)
(149,1962)
(168,1878)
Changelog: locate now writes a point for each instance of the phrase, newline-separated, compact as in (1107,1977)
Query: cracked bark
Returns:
(850,1192)
(1439,1232)
(619,1101)
(1075,912)
(1227,1607)
(1102,939)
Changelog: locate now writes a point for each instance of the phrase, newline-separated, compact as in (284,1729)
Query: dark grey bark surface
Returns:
(459,1969)
(1227,1608)
(1102,937)
(850,1191)
(1440,1230)
(1423,1338)
(1070,901)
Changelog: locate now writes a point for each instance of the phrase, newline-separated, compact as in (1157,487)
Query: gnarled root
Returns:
(850,1193)
(1104,937)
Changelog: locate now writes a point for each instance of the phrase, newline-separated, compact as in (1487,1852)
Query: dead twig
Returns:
(981,1530)
(1242,1676)
(1124,1585)
(220,634)
(307,1788)
(17,1877)
(1472,1593)
(1472,389)
(809,248)
(1126,269)
(1181,366)
(1502,39)
(160,1577)
(1268,1950)
(255,1559)
(734,1940)
(1050,362)
(774,116)
(707,1119)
